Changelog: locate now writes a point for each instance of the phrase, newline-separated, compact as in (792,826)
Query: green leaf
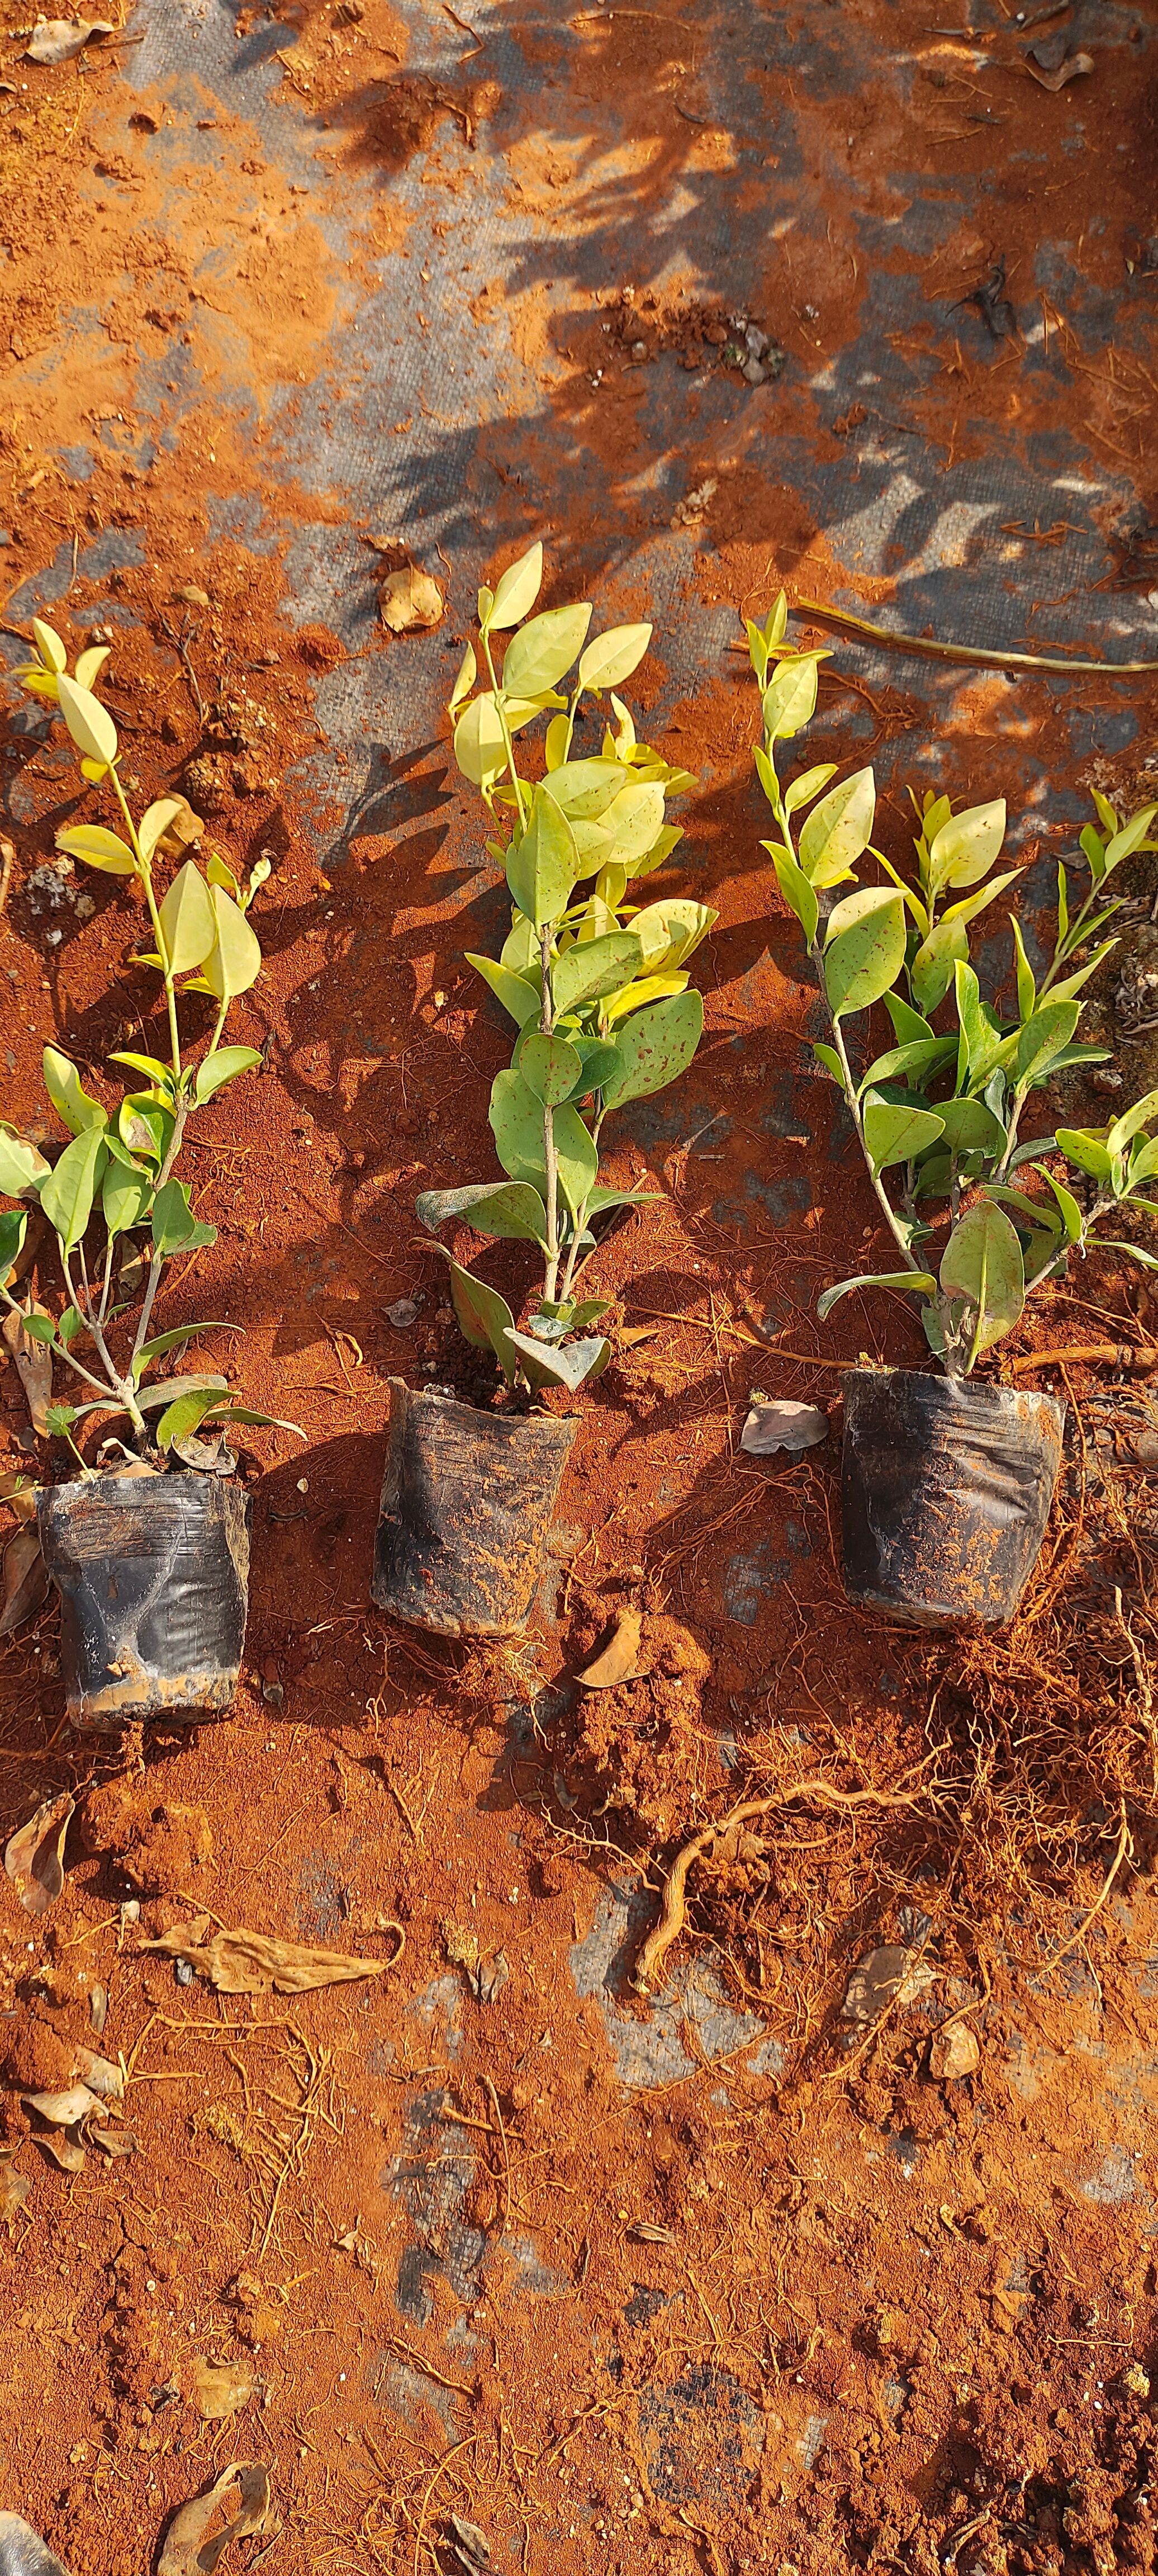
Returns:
(484,1318)
(1071,1214)
(517,589)
(896,1135)
(126,1197)
(160,1075)
(1130,837)
(600,1060)
(569,1366)
(864,949)
(971,1127)
(13,1227)
(831,1062)
(656,1045)
(1026,985)
(1063,909)
(798,894)
(42,1328)
(800,791)
(59,1419)
(171,1341)
(1134,1251)
(520,950)
(188,928)
(174,1226)
(67,1195)
(69,1326)
(550,1065)
(611,658)
(838,830)
(1143,1162)
(516,1119)
(919,1280)
(634,821)
(70,1101)
(766,773)
(1064,992)
(183,1415)
(542,867)
(538,657)
(982,1265)
(98,849)
(907,1023)
(593,968)
(931,972)
(964,849)
(1041,1040)
(235,962)
(90,725)
(918,1060)
(479,748)
(508,1210)
(22,1166)
(221,1067)
(517,996)
(1086,1147)
(585,788)
(577,1156)
(1032,1212)
(145,1126)
(1131,1121)
(789,700)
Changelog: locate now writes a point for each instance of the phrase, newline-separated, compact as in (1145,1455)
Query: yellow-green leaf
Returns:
(90,664)
(467,673)
(90,725)
(188,926)
(155,821)
(613,657)
(49,646)
(71,1102)
(98,848)
(539,655)
(478,740)
(236,960)
(517,589)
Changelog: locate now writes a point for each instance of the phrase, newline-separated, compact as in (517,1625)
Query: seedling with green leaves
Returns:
(118,1172)
(940,1111)
(596,982)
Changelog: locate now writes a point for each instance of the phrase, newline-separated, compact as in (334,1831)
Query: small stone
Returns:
(303,1484)
(402,1314)
(183,1971)
(1135,2381)
(274,1692)
(753,371)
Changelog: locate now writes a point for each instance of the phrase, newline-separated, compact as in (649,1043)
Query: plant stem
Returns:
(852,1104)
(145,873)
(58,1349)
(550,1157)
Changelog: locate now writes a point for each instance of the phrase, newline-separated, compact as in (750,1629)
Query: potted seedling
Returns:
(596,983)
(151,1557)
(947,1480)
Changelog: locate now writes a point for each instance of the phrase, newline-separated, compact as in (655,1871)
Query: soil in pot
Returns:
(153,1576)
(467,1499)
(946,1487)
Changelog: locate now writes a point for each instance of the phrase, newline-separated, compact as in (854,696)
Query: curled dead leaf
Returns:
(23,2552)
(953,2053)
(472,2549)
(183,830)
(18,1490)
(188,2551)
(249,1963)
(33,1363)
(58,40)
(24,1580)
(98,2006)
(785,1425)
(34,1858)
(113,2142)
(14,2191)
(883,1977)
(220,2388)
(619,1658)
(62,2110)
(100,2075)
(411,599)
(1073,68)
(65,2149)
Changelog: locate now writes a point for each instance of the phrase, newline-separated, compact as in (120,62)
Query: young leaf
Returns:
(1086,1147)
(789,700)
(187,924)
(540,654)
(478,740)
(1071,1214)
(570,1367)
(801,790)
(896,1135)
(174,1226)
(1042,1039)
(865,949)
(982,1264)
(507,1210)
(71,1102)
(556,741)
(610,659)
(235,963)
(798,894)
(40,1328)
(517,589)
(655,1047)
(838,830)
(931,972)
(516,1119)
(69,1325)
(90,725)
(919,1280)
(67,1195)
(484,1318)
(550,1066)
(1026,985)
(49,646)
(1130,837)
(543,865)
(126,1197)
(964,849)
(467,675)
(221,1067)
(517,996)
(98,848)
(831,1062)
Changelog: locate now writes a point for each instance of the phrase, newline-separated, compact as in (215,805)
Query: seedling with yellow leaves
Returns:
(595,981)
(118,1172)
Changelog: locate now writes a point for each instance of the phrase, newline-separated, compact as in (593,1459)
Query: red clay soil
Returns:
(798,2309)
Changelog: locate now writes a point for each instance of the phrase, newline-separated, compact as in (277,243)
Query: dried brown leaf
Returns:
(34,1858)
(187,2551)
(115,2142)
(65,2149)
(785,1425)
(101,2076)
(18,1490)
(953,2053)
(249,1963)
(186,828)
(62,2110)
(57,40)
(14,2191)
(410,599)
(24,1580)
(618,1660)
(221,2388)
(33,1362)
(192,593)
(883,1977)
(98,2007)
(1073,68)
